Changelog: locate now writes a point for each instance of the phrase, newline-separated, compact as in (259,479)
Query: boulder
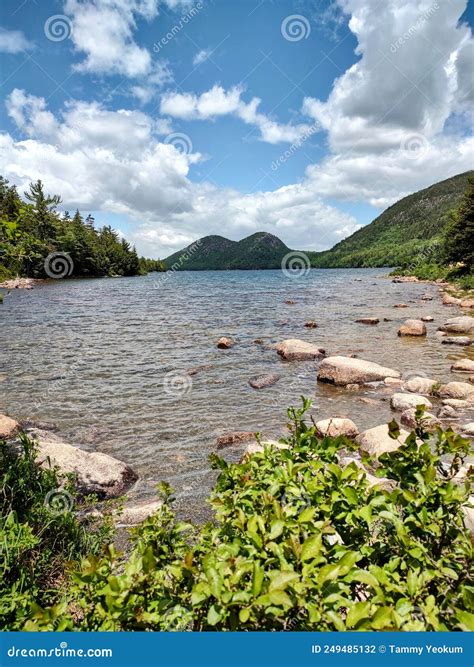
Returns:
(402,402)
(463,366)
(427,318)
(368,320)
(8,427)
(449,300)
(468,429)
(447,412)
(132,515)
(393,382)
(376,441)
(457,403)
(225,343)
(311,324)
(412,328)
(337,426)
(294,349)
(262,381)
(235,438)
(343,371)
(467,303)
(464,324)
(419,385)
(456,390)
(95,472)
(457,340)
(408,419)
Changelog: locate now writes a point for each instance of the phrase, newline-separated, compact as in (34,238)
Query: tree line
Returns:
(32,229)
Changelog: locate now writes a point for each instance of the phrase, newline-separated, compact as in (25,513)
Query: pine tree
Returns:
(459,236)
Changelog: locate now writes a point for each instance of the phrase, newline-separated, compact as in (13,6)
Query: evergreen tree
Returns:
(459,239)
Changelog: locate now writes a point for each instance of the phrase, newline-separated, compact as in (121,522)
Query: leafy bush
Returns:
(39,533)
(300,541)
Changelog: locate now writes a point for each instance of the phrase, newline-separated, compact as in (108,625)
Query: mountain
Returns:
(403,231)
(258,251)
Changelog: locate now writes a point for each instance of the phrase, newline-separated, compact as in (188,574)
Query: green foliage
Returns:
(300,541)
(459,237)
(31,230)
(38,536)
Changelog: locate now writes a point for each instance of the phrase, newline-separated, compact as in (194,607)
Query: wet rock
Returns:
(258,341)
(427,297)
(95,472)
(290,302)
(408,419)
(235,438)
(412,328)
(387,319)
(401,305)
(403,402)
(262,381)
(311,324)
(393,382)
(8,427)
(419,385)
(461,390)
(337,426)
(463,324)
(463,366)
(427,318)
(132,515)
(464,341)
(368,320)
(343,371)
(294,349)
(376,441)
(449,300)
(353,387)
(225,343)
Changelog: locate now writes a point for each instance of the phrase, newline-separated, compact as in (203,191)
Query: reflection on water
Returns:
(107,360)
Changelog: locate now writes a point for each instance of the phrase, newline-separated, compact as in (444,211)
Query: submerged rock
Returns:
(401,305)
(311,324)
(368,320)
(95,472)
(463,366)
(262,381)
(427,318)
(8,427)
(376,441)
(402,402)
(412,328)
(347,370)
(294,349)
(235,438)
(463,324)
(337,426)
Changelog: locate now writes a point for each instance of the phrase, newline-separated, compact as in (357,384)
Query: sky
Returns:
(175,119)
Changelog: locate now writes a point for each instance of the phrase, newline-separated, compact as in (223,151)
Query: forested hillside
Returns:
(36,241)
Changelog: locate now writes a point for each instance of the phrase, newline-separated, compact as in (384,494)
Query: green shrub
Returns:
(39,533)
(300,541)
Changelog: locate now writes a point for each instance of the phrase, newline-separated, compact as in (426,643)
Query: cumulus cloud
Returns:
(201,56)
(13,41)
(217,102)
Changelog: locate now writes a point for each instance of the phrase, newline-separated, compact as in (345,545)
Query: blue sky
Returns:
(172,119)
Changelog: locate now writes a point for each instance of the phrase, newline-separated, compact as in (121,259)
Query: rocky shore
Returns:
(446,404)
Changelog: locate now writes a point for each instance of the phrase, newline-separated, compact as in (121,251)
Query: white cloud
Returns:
(217,102)
(13,41)
(201,56)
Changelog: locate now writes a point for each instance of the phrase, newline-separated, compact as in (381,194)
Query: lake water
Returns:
(107,360)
